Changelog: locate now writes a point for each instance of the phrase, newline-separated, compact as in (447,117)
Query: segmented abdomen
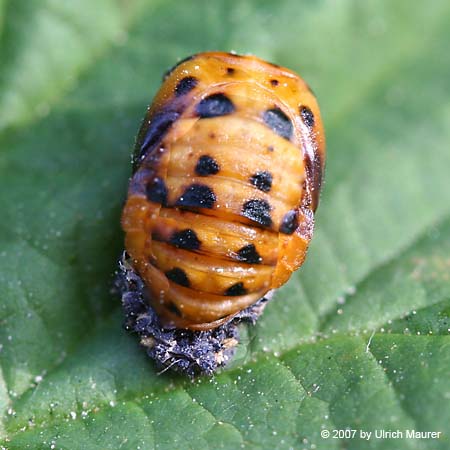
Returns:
(220,207)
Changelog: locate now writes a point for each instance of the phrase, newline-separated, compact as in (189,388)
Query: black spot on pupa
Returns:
(271,148)
(186,239)
(214,105)
(197,196)
(178,276)
(167,74)
(173,309)
(262,180)
(307,116)
(249,254)
(156,191)
(185,85)
(274,82)
(290,222)
(230,71)
(206,165)
(258,211)
(159,126)
(279,122)
(236,289)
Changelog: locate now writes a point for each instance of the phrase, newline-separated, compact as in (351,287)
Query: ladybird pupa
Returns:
(228,167)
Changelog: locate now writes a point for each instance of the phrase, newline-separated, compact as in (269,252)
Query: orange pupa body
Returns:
(228,169)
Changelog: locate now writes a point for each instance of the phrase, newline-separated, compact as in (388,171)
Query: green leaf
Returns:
(358,339)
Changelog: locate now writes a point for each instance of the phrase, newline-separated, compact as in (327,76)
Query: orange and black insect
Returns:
(227,173)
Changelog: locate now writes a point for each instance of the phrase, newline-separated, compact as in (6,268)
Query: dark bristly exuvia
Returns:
(186,351)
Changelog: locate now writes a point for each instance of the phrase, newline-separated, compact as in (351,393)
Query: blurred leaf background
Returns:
(359,338)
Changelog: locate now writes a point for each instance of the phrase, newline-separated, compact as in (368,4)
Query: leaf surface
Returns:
(359,337)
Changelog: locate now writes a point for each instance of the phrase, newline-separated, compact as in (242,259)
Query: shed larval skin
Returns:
(227,174)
